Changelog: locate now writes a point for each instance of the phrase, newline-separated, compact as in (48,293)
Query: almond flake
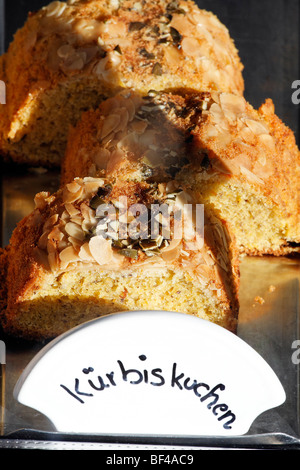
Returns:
(101,250)
(74,231)
(67,256)
(55,9)
(257,127)
(85,253)
(109,124)
(268,141)
(40,200)
(71,196)
(50,222)
(53,261)
(73,187)
(172,251)
(65,51)
(42,243)
(232,105)
(71,209)
(251,177)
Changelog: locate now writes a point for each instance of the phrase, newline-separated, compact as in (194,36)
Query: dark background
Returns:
(266,33)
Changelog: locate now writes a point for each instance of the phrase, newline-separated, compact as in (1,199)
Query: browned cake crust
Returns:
(59,265)
(69,56)
(243,162)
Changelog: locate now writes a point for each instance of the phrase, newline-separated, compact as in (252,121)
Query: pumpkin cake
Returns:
(243,163)
(79,255)
(69,56)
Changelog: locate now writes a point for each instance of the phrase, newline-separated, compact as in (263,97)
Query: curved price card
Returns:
(154,373)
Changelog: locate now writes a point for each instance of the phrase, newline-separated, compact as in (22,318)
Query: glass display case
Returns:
(266,34)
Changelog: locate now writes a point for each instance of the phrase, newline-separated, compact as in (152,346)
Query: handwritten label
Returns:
(155,373)
(210,395)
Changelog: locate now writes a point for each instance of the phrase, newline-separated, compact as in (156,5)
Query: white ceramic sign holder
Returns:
(150,373)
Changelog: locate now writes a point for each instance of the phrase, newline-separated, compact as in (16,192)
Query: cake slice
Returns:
(242,163)
(69,56)
(88,250)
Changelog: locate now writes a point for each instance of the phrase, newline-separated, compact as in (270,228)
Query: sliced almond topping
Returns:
(114,28)
(128,141)
(51,246)
(65,216)
(257,127)
(232,105)
(67,256)
(109,64)
(217,113)
(220,235)
(251,177)
(53,260)
(89,190)
(185,24)
(50,222)
(130,106)
(139,126)
(85,253)
(62,244)
(211,131)
(40,199)
(247,135)
(71,209)
(74,231)
(268,141)
(117,157)
(172,251)
(148,138)
(190,47)
(110,124)
(182,198)
(87,213)
(263,168)
(89,220)
(225,167)
(207,257)
(56,235)
(42,243)
(72,196)
(101,250)
(73,187)
(124,118)
(77,219)
(75,62)
(91,186)
(205,270)
(75,243)
(55,9)
(65,51)
(91,179)
(173,56)
(88,29)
